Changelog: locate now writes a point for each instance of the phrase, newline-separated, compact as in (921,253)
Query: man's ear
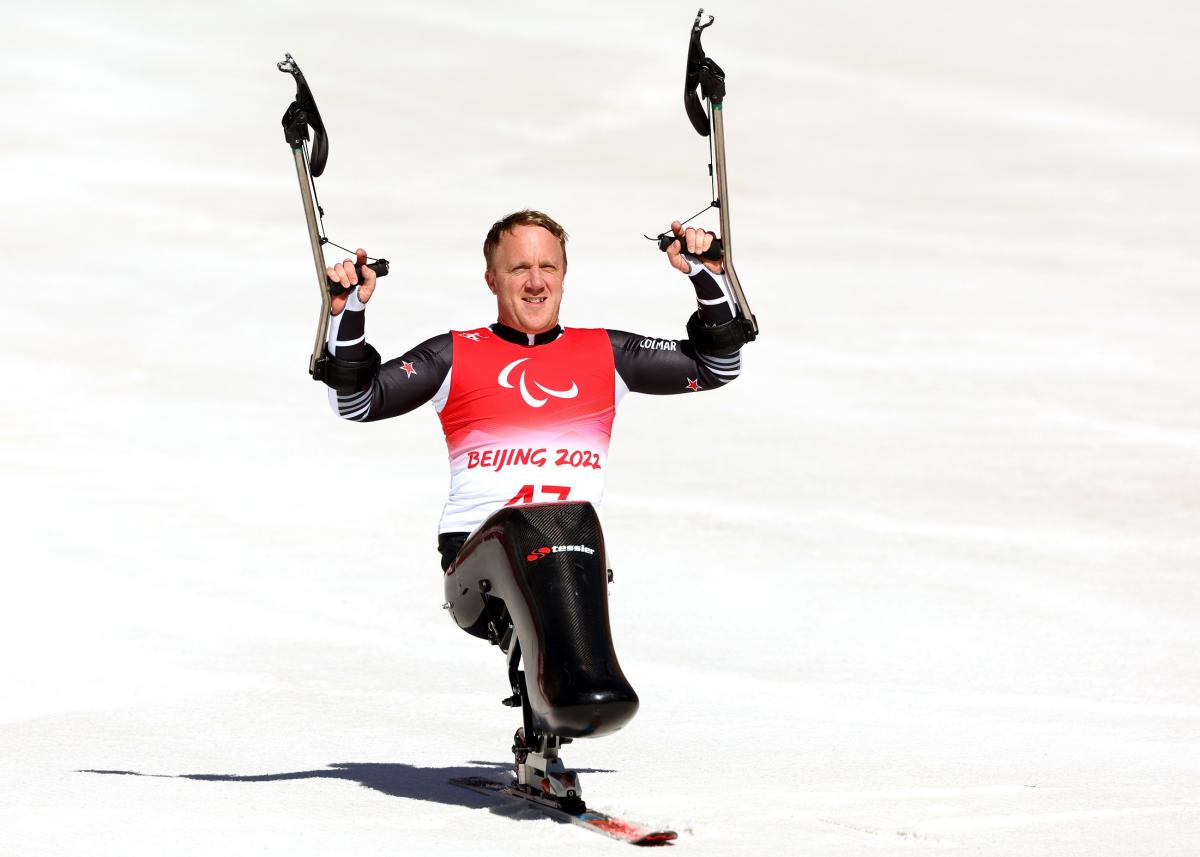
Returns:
(490,280)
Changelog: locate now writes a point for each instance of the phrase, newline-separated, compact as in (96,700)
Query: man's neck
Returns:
(519,337)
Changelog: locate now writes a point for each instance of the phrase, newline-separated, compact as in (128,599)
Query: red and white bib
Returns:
(525,424)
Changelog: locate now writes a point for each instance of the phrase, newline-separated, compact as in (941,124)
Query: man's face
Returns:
(526,276)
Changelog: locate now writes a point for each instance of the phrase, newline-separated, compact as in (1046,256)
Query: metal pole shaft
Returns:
(718,132)
(314,234)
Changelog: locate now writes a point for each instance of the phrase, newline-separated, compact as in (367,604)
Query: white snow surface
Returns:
(923,581)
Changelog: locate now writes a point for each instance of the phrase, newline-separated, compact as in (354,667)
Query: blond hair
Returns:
(526,217)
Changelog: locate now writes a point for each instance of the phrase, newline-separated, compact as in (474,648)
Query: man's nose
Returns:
(537,279)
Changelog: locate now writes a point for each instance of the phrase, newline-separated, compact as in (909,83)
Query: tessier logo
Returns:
(538,553)
(530,399)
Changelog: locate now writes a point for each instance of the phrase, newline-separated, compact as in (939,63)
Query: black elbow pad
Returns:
(347,376)
(719,341)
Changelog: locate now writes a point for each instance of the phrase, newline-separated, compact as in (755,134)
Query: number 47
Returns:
(525,495)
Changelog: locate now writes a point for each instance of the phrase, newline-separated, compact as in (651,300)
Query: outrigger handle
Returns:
(714,253)
(379,266)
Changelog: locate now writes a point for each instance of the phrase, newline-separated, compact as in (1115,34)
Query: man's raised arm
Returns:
(362,389)
(711,355)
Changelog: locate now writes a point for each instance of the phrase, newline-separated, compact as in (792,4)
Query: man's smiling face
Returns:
(526,276)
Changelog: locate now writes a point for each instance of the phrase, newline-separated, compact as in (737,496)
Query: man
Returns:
(527,408)
(521,423)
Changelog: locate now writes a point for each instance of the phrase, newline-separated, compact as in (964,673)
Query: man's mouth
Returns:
(534,300)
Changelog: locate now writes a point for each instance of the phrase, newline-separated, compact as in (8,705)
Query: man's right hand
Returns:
(344,274)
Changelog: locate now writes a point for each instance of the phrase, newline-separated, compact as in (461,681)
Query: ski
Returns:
(616,828)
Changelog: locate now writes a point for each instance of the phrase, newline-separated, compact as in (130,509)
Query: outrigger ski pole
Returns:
(301,115)
(703,73)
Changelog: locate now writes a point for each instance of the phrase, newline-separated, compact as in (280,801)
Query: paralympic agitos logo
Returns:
(530,399)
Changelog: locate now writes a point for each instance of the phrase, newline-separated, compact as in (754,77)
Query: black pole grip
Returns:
(714,253)
(379,266)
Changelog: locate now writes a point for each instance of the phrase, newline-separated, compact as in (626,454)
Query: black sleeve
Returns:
(663,367)
(402,384)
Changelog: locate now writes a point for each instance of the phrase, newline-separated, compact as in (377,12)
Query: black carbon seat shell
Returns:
(546,562)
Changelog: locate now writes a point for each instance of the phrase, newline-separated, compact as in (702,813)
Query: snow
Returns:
(923,581)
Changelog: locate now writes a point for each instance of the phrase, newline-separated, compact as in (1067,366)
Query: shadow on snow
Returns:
(396,780)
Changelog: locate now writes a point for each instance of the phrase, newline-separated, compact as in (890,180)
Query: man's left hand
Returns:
(694,241)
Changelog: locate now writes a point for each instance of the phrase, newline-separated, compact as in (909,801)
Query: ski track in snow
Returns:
(942,598)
